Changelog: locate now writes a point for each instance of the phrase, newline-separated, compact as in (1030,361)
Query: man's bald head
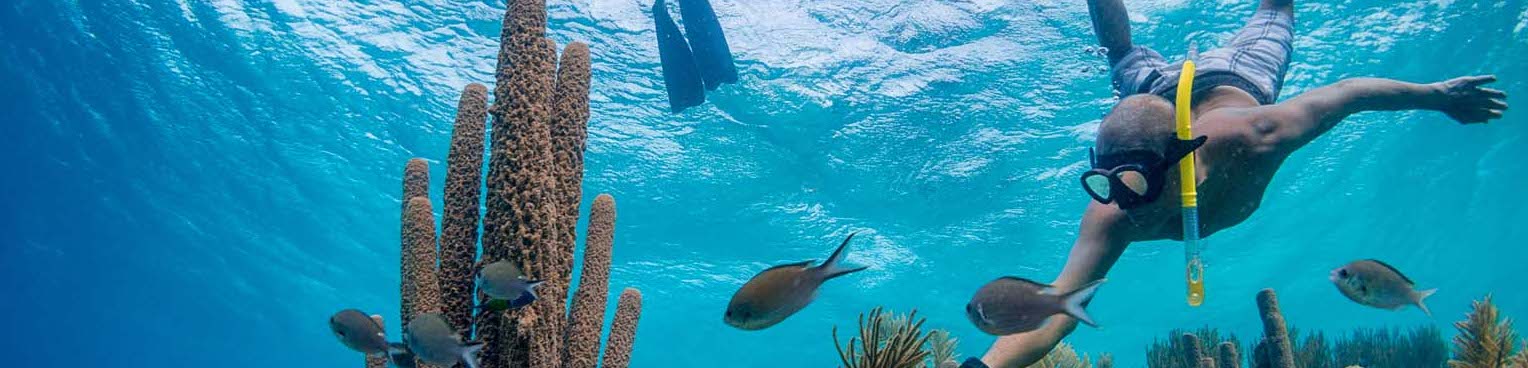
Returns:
(1138,122)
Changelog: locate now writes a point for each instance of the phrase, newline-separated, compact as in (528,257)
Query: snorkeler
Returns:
(1133,179)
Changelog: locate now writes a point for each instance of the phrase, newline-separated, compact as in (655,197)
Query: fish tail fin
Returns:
(1072,302)
(833,267)
(1422,295)
(399,355)
(469,354)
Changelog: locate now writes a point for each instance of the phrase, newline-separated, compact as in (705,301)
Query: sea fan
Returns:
(1106,360)
(1063,356)
(1485,338)
(884,342)
(942,349)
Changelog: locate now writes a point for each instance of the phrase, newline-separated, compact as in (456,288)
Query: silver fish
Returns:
(503,281)
(1011,305)
(1376,284)
(359,332)
(780,291)
(433,341)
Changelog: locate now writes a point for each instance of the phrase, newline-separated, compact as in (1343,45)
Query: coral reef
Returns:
(1485,339)
(1419,347)
(1176,352)
(539,118)
(884,341)
(1105,360)
(1063,356)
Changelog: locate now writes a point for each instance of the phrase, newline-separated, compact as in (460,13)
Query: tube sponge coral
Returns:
(540,115)
(459,225)
(623,331)
(1275,350)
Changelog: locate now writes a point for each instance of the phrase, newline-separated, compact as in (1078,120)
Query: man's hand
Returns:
(1467,102)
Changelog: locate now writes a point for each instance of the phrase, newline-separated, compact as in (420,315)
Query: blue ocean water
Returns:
(201,183)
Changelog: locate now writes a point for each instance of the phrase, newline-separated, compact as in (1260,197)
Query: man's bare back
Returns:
(1248,140)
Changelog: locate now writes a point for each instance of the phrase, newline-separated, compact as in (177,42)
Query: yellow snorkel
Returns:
(1192,245)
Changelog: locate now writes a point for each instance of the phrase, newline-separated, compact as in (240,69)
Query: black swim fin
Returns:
(680,75)
(712,54)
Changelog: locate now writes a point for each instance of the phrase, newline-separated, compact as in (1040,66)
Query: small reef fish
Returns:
(502,281)
(1011,305)
(364,334)
(433,341)
(780,291)
(1376,284)
(359,332)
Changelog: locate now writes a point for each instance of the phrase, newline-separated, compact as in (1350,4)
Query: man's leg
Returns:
(1131,67)
(1111,22)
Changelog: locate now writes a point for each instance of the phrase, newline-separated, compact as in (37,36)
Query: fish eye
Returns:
(1343,273)
(729,313)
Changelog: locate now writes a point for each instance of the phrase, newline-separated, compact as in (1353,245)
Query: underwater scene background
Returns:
(202,183)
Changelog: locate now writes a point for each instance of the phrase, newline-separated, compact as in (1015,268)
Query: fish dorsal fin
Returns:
(797,264)
(1392,269)
(376,319)
(1044,288)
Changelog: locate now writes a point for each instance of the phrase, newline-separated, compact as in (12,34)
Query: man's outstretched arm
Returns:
(1099,244)
(1292,124)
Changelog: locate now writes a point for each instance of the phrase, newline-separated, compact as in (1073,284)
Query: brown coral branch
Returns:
(623,331)
(416,183)
(1278,353)
(520,202)
(1229,358)
(459,226)
(416,180)
(587,314)
(419,248)
(569,121)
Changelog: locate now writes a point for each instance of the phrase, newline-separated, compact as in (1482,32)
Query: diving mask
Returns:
(1135,177)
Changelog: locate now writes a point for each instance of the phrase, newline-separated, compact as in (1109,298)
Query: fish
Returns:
(712,55)
(1010,305)
(681,76)
(359,332)
(432,340)
(780,291)
(502,281)
(1376,284)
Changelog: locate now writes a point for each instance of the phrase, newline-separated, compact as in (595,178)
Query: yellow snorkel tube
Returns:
(1192,245)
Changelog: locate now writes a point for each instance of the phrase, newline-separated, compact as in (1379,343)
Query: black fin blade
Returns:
(708,43)
(681,77)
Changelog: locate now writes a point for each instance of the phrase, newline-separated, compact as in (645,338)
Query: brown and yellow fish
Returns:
(1011,305)
(1376,284)
(780,291)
